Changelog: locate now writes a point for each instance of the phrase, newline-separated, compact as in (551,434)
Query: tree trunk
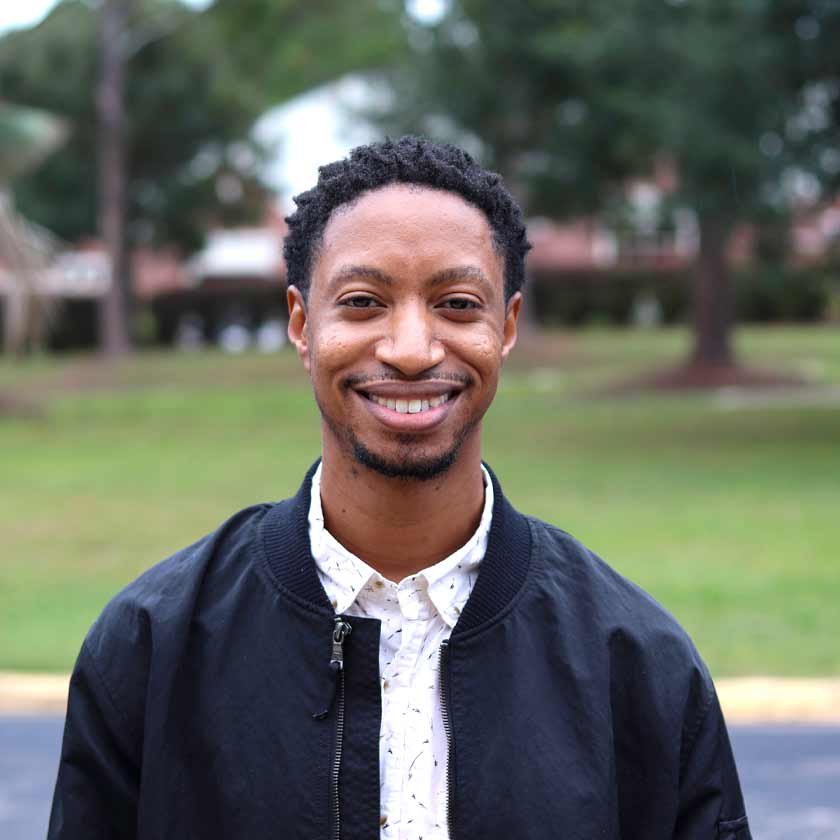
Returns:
(713,303)
(113,310)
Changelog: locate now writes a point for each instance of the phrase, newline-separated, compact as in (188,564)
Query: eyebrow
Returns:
(448,275)
(352,272)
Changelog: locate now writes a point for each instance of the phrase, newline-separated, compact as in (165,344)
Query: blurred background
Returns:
(674,401)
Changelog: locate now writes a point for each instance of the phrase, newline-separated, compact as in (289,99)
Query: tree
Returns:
(114,45)
(194,84)
(271,50)
(174,112)
(741,98)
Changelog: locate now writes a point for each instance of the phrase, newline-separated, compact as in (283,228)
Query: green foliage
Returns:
(774,293)
(26,136)
(608,297)
(764,293)
(568,99)
(272,50)
(195,83)
(53,67)
(181,125)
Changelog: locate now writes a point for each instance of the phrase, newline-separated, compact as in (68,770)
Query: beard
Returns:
(411,462)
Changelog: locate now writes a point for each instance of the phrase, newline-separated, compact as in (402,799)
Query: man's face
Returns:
(405,328)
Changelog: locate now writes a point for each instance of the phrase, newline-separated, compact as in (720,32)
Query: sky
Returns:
(29,12)
(13,15)
(309,131)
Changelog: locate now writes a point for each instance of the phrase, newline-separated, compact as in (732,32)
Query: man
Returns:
(395,652)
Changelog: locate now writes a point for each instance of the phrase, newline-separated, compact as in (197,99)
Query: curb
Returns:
(745,700)
(780,700)
(33,694)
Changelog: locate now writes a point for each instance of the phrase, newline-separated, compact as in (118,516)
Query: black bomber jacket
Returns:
(219,696)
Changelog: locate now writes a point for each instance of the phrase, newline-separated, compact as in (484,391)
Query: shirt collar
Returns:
(345,576)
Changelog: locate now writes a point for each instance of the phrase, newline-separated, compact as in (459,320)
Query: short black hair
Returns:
(409,160)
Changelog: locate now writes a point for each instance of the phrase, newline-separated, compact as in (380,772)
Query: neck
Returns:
(400,526)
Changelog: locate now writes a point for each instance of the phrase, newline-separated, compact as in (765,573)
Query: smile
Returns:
(408,406)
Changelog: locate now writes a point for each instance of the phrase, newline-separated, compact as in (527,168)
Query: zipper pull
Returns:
(341,630)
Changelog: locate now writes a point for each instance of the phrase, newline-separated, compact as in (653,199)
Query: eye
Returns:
(460,304)
(359,302)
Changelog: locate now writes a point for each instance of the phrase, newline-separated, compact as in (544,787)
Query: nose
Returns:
(410,344)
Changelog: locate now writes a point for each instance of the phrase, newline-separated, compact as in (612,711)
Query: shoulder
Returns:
(151,614)
(169,586)
(637,633)
(565,562)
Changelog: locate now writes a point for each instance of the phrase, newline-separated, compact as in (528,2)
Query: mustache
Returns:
(357,380)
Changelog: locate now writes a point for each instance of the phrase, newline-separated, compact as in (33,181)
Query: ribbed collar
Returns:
(444,586)
(284,540)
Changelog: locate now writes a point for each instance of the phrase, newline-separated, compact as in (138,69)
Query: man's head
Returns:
(409,160)
(404,267)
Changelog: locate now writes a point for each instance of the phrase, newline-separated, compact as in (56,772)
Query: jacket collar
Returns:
(284,540)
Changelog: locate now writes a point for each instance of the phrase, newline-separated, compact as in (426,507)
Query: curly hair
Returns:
(409,160)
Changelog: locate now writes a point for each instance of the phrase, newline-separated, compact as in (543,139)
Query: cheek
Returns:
(331,351)
(485,351)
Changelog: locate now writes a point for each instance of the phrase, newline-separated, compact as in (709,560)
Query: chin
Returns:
(409,464)
(414,457)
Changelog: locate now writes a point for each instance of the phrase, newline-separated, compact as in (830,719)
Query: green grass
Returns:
(728,512)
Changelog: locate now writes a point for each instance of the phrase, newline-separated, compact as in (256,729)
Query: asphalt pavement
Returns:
(790,776)
(29,750)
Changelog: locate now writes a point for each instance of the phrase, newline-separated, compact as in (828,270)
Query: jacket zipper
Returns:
(443,683)
(341,630)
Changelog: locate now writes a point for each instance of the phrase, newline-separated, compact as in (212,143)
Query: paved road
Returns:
(791,781)
(29,749)
(790,775)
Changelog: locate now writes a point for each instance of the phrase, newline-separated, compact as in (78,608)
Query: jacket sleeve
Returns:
(96,792)
(710,802)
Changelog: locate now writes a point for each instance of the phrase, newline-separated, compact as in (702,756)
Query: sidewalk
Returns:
(744,700)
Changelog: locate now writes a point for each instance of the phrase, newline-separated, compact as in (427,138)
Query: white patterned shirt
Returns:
(417,615)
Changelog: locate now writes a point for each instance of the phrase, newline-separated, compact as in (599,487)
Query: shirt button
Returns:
(379,585)
(386,685)
(383,820)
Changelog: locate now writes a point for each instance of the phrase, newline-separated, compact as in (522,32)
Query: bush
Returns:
(774,293)
(762,294)
(574,299)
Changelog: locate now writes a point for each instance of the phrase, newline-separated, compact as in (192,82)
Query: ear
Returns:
(297,323)
(509,330)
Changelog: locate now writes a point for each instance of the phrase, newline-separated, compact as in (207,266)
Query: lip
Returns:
(428,389)
(408,423)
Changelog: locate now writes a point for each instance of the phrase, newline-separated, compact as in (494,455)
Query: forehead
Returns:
(417,227)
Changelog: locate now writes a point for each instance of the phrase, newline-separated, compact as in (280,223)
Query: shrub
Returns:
(762,294)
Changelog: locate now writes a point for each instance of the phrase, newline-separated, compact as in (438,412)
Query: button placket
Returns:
(423,609)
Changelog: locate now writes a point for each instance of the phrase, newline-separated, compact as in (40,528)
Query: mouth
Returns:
(410,408)
(412,405)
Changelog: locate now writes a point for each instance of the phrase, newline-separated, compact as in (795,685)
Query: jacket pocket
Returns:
(734,829)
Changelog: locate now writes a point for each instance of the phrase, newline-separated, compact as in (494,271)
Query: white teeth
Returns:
(409,406)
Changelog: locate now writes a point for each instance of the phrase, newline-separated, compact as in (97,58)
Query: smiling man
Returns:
(395,652)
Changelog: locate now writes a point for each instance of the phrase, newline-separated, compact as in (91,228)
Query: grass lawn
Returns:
(727,509)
